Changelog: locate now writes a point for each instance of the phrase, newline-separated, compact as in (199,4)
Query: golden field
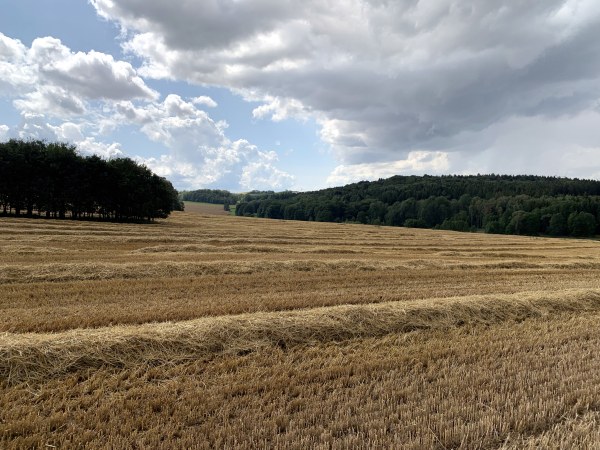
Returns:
(206,331)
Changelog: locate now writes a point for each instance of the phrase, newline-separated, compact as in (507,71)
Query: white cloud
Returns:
(262,175)
(417,162)
(38,127)
(11,49)
(82,98)
(68,132)
(204,100)
(34,126)
(4,132)
(92,75)
(395,87)
(15,73)
(382,79)
(89,146)
(200,153)
(51,100)
(280,109)
(49,79)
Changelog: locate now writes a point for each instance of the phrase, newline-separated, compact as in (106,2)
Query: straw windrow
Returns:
(33,356)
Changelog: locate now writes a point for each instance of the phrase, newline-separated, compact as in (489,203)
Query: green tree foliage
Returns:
(215,196)
(528,205)
(581,224)
(458,222)
(53,180)
(557,225)
(523,222)
(415,223)
(494,227)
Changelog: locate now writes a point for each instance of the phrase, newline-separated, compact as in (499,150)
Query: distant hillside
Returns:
(216,196)
(521,204)
(221,197)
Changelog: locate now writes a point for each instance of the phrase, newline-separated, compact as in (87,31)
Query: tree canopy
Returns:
(529,205)
(222,197)
(215,196)
(54,180)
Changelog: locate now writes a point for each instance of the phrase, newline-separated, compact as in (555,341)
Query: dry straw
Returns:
(34,357)
(61,272)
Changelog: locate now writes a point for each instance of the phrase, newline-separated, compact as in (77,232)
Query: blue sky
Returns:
(78,27)
(266,94)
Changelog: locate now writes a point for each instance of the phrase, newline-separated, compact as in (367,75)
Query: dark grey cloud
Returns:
(210,23)
(382,78)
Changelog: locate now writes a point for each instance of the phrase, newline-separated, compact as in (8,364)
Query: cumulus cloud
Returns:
(280,109)
(51,100)
(39,127)
(15,73)
(90,146)
(82,98)
(263,175)
(92,75)
(48,78)
(382,79)
(201,154)
(395,87)
(204,100)
(4,129)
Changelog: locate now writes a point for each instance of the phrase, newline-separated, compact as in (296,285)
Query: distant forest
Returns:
(40,179)
(216,196)
(527,205)
(221,197)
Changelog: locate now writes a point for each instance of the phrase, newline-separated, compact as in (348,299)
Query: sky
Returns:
(282,94)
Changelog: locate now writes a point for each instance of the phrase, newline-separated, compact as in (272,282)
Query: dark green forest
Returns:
(52,180)
(222,197)
(527,205)
(215,196)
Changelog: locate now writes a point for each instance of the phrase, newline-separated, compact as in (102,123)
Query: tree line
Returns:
(222,197)
(52,180)
(214,196)
(527,205)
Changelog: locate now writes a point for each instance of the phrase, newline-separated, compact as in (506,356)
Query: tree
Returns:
(215,196)
(377,212)
(522,222)
(494,227)
(54,180)
(415,223)
(557,225)
(394,216)
(582,224)
(497,203)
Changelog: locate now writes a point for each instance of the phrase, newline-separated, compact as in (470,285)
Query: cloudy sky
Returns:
(282,94)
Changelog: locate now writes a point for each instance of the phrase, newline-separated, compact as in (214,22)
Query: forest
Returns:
(215,196)
(502,204)
(52,180)
(222,197)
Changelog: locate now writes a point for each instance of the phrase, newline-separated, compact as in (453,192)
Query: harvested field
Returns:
(205,331)
(205,208)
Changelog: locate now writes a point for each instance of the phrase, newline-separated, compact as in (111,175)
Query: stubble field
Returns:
(208,331)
